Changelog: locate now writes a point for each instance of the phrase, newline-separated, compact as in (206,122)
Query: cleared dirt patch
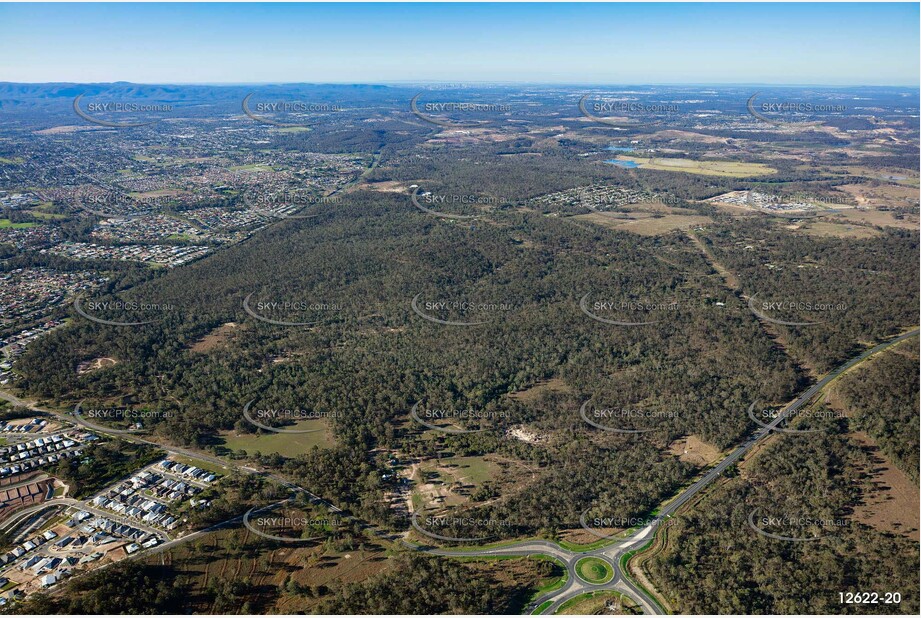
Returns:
(452,481)
(387,186)
(655,226)
(68,128)
(891,502)
(216,338)
(158,193)
(18,495)
(644,223)
(526,434)
(95,364)
(838,230)
(693,450)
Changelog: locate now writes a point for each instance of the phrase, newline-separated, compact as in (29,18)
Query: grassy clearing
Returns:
(47,216)
(733,169)
(452,481)
(6,223)
(839,230)
(646,225)
(470,470)
(285,444)
(534,393)
(253,167)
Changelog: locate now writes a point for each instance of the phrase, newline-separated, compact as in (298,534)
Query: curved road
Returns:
(614,552)
(574,585)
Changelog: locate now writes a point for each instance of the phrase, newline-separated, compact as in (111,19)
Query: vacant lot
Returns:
(255,167)
(146,195)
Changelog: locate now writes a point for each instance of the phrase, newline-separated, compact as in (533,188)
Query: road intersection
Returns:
(574,586)
(615,552)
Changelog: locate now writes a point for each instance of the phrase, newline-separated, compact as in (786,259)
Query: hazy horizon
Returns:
(867,44)
(465,84)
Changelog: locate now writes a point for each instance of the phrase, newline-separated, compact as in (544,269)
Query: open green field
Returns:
(255,167)
(594,570)
(733,169)
(40,212)
(285,444)
(16,226)
(473,470)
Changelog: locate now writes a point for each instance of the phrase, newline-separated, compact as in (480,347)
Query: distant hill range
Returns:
(53,95)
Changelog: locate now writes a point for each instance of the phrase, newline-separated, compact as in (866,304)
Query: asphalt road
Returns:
(791,409)
(613,553)
(574,585)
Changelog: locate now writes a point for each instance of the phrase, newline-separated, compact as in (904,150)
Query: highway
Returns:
(574,586)
(614,552)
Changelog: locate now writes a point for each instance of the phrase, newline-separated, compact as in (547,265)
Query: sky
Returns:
(821,43)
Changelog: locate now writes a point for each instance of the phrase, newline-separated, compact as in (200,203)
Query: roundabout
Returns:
(594,570)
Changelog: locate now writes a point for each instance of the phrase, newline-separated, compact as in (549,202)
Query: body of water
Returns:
(620,163)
